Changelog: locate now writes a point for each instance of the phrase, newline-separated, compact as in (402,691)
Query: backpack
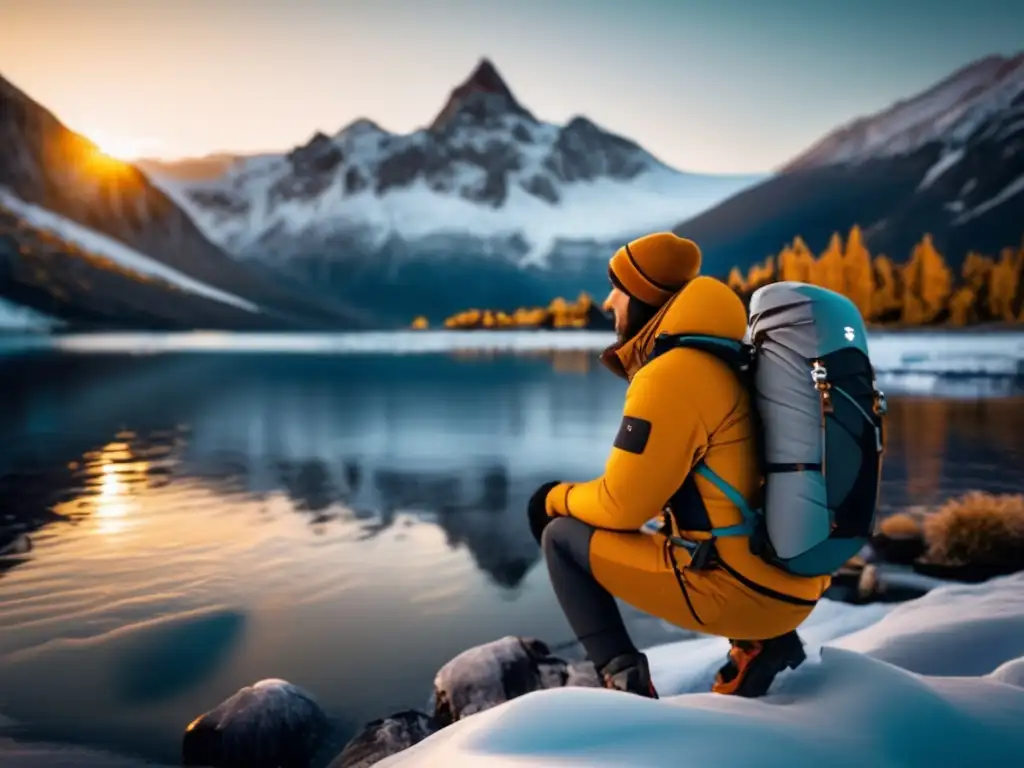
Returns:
(820,420)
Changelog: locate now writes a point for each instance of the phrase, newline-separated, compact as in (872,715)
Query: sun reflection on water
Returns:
(114,475)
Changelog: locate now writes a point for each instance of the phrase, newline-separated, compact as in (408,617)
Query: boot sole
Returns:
(759,677)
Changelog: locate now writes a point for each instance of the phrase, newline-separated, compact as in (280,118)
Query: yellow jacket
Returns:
(691,406)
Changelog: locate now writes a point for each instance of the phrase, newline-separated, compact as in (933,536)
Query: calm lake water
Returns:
(347,523)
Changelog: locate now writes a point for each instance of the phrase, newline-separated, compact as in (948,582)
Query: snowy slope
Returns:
(485,170)
(949,111)
(937,681)
(14,317)
(117,252)
(45,164)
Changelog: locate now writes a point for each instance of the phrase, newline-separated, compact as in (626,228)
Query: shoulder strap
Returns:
(737,354)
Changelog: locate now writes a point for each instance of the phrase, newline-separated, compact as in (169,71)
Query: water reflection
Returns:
(457,444)
(201,521)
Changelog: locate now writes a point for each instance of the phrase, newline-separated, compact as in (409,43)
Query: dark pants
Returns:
(590,609)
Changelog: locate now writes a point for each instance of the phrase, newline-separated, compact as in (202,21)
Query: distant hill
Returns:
(948,161)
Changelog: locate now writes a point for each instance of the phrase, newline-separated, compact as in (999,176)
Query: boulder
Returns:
(272,724)
(385,737)
(491,674)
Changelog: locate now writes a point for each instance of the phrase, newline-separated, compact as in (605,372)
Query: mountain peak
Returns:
(485,77)
(481,94)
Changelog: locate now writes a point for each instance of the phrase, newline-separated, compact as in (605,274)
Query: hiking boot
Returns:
(754,664)
(629,673)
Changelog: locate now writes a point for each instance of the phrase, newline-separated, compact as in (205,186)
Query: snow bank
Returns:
(936,681)
(919,356)
(15,317)
(116,251)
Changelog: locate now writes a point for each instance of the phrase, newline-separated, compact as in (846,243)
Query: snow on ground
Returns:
(15,317)
(126,257)
(933,682)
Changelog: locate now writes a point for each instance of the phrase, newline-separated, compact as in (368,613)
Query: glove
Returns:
(537,510)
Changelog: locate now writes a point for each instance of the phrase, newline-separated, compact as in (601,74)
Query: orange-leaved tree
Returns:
(1003,285)
(859,274)
(828,269)
(927,284)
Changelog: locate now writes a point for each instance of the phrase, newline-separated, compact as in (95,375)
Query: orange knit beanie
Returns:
(654,267)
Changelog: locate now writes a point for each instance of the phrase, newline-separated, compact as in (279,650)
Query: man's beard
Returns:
(637,316)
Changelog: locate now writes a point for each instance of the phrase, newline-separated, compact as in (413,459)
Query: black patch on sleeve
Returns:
(633,434)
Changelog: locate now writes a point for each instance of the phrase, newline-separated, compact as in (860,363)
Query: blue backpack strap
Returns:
(750,517)
(737,354)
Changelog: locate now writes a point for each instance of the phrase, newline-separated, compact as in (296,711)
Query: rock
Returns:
(879,583)
(272,724)
(385,737)
(491,674)
(583,674)
(898,549)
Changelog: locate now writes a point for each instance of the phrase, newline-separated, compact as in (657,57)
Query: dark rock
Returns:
(902,550)
(354,181)
(583,152)
(483,98)
(491,674)
(862,583)
(542,187)
(521,134)
(385,737)
(272,724)
(400,168)
(320,155)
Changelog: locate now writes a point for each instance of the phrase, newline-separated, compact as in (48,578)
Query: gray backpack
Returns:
(820,413)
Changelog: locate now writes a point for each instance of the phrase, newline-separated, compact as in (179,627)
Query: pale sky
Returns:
(710,85)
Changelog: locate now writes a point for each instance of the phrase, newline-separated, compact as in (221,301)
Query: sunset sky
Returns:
(719,85)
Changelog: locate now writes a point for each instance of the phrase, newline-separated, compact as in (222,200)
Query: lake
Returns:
(349,523)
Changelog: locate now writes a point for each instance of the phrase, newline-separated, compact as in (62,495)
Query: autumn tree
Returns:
(927,284)
(760,274)
(736,280)
(886,301)
(803,261)
(859,274)
(1003,282)
(828,269)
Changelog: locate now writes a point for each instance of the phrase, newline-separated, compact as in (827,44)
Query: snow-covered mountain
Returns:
(88,239)
(949,161)
(486,187)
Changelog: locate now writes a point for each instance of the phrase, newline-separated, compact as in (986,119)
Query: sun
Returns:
(116,148)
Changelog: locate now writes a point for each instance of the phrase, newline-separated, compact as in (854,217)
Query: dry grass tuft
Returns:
(908,524)
(979,529)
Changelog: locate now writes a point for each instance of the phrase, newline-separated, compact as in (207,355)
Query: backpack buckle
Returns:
(703,555)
